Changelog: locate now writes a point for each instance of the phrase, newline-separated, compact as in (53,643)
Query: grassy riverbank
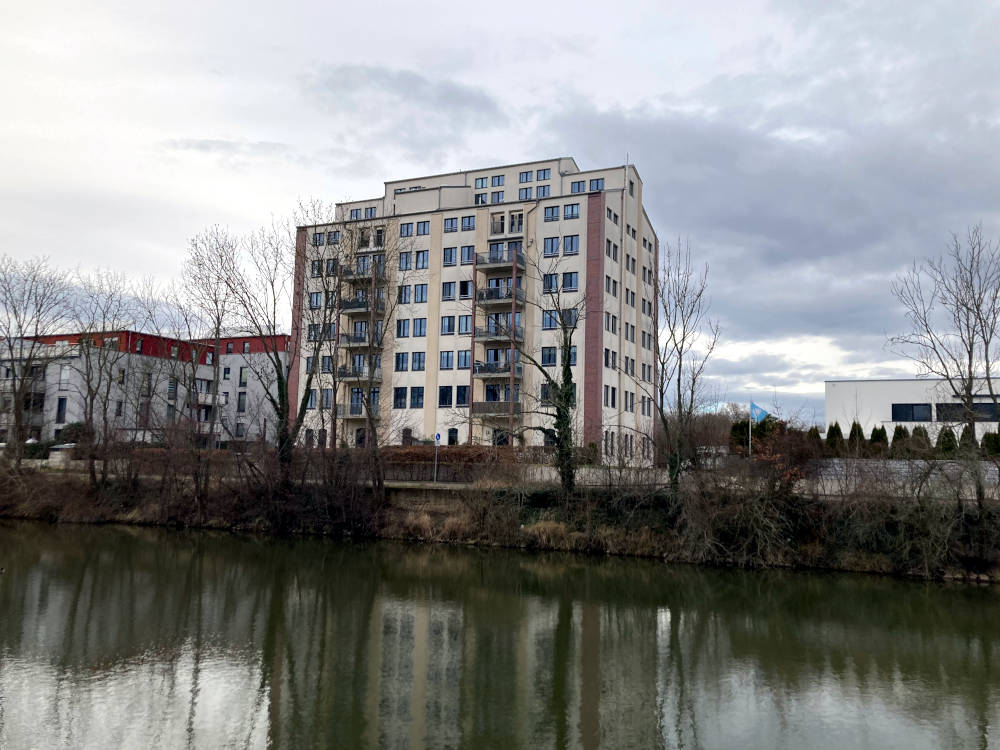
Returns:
(714,520)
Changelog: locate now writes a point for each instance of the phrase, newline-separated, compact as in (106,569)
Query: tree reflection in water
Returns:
(128,637)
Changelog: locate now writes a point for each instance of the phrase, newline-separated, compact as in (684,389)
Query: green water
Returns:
(113,637)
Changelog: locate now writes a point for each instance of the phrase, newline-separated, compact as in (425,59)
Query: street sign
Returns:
(437,436)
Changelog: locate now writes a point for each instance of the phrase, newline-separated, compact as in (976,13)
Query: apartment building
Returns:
(142,385)
(438,307)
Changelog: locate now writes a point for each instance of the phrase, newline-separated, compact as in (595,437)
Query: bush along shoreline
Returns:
(777,510)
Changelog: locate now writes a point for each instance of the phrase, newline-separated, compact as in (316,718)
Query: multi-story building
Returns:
(140,385)
(439,307)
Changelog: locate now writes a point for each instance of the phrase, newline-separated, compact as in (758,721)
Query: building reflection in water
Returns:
(126,638)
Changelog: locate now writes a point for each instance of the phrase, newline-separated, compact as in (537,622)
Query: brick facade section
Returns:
(296,342)
(593,321)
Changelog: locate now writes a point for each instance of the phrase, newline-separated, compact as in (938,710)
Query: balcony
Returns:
(497,370)
(345,372)
(355,411)
(365,274)
(201,398)
(495,408)
(499,261)
(362,306)
(499,333)
(352,341)
(498,297)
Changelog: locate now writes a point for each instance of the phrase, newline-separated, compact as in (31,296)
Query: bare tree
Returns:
(35,300)
(103,307)
(687,338)
(952,305)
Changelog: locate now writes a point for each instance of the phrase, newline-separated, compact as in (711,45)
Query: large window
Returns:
(481,182)
(548,356)
(448,290)
(525,176)
(444,395)
(423,227)
(480,199)
(404,261)
(402,361)
(403,296)
(370,212)
(420,327)
(552,213)
(981,412)
(448,256)
(447,361)
(571,244)
(577,187)
(461,395)
(918,412)
(419,292)
(447,325)
(465,324)
(497,180)
(496,196)
(422,258)
(399,398)
(542,191)
(468,254)
(451,225)
(543,174)
(551,247)
(406,229)
(417,397)
(468,223)
(571,211)
(402,328)
(524,194)
(597,184)
(550,320)
(464,358)
(419,361)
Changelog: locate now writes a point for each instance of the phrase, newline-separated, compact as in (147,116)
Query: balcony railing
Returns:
(365,273)
(494,408)
(496,296)
(496,369)
(499,260)
(500,333)
(356,306)
(352,340)
(345,372)
(355,411)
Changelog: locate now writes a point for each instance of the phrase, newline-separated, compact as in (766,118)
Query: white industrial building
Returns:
(909,402)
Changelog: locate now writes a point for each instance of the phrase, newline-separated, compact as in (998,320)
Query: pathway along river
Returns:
(137,638)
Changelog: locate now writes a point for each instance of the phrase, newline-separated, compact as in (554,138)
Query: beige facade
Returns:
(471,271)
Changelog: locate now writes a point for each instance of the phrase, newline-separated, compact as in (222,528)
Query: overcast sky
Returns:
(808,151)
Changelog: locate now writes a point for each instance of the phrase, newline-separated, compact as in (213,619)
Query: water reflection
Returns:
(135,638)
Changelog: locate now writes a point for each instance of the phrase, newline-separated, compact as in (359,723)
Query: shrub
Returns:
(856,443)
(967,442)
(991,444)
(946,444)
(878,443)
(920,442)
(900,442)
(834,440)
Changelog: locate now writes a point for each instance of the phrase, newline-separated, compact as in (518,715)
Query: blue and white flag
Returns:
(756,413)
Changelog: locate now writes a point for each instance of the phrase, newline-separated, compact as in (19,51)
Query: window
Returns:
(355,214)
(241,401)
(422,258)
(451,225)
(571,244)
(497,223)
(468,223)
(417,397)
(419,327)
(419,292)
(332,238)
(315,300)
(402,328)
(246,347)
(404,261)
(225,373)
(543,174)
(915,413)
(525,176)
(596,185)
(552,213)
(398,398)
(481,182)
(571,211)
(327,363)
(542,191)
(423,227)
(549,320)
(570,317)
(524,194)
(326,398)
(461,399)
(631,187)
(548,356)
(480,199)
(448,290)
(331,267)
(447,360)
(468,254)
(550,282)
(572,355)
(379,237)
(406,229)
(370,212)
(496,196)
(465,290)
(570,281)
(497,180)
(463,359)
(449,256)
(550,247)
(444,395)
(452,436)
(403,294)
(419,361)
(464,324)
(402,361)
(318,238)
(577,187)
(316,268)
(310,403)
(447,325)
(243,377)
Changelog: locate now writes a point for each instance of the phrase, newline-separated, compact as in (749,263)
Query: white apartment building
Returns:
(448,299)
(909,402)
(145,384)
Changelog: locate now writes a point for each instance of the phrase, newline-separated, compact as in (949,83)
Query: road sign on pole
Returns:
(437,442)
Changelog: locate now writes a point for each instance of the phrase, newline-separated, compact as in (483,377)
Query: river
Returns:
(136,638)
